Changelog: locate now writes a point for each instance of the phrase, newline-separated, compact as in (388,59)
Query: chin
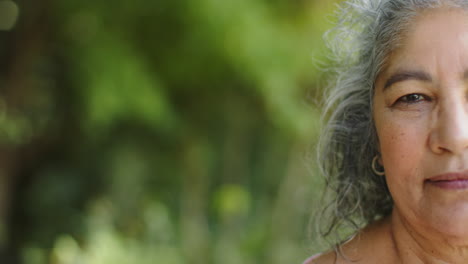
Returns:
(452,222)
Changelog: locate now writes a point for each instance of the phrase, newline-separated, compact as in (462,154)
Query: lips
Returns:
(450,180)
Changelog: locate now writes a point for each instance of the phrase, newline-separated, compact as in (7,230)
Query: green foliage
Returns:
(191,125)
(231,201)
(121,87)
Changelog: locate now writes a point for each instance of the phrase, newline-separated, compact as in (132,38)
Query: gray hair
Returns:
(366,33)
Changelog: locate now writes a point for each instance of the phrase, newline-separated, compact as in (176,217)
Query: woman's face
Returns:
(421,117)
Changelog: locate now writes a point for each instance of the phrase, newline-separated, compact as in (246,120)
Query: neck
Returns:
(419,244)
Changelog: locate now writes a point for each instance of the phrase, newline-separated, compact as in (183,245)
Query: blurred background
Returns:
(167,131)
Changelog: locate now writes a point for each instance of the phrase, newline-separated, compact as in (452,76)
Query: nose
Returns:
(451,129)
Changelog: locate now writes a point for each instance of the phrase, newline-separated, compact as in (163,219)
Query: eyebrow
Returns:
(401,76)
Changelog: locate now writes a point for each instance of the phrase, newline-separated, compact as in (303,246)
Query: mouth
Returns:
(450,181)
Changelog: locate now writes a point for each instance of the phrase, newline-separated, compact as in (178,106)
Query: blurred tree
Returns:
(159,131)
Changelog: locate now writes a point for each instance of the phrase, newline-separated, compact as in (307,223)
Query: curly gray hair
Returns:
(366,33)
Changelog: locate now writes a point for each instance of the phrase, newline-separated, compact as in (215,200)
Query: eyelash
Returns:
(406,99)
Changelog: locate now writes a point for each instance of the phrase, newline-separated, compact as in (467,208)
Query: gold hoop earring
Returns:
(377,172)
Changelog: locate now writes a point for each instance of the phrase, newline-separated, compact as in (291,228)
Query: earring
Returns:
(373,166)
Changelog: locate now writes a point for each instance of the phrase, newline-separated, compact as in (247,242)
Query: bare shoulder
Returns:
(331,257)
(370,245)
(324,258)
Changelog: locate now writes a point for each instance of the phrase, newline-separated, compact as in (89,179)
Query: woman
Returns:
(395,149)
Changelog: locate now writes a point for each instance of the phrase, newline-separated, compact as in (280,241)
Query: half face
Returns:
(421,117)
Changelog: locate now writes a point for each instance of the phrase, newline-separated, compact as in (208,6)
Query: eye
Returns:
(413,98)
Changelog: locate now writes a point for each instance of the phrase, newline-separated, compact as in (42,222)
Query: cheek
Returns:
(402,146)
(402,154)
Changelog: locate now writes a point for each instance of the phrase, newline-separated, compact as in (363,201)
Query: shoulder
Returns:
(322,258)
(369,245)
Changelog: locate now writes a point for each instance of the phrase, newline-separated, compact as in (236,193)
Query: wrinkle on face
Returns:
(422,138)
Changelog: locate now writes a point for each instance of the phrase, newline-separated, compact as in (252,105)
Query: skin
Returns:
(421,118)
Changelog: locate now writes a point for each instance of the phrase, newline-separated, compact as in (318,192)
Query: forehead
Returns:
(436,42)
